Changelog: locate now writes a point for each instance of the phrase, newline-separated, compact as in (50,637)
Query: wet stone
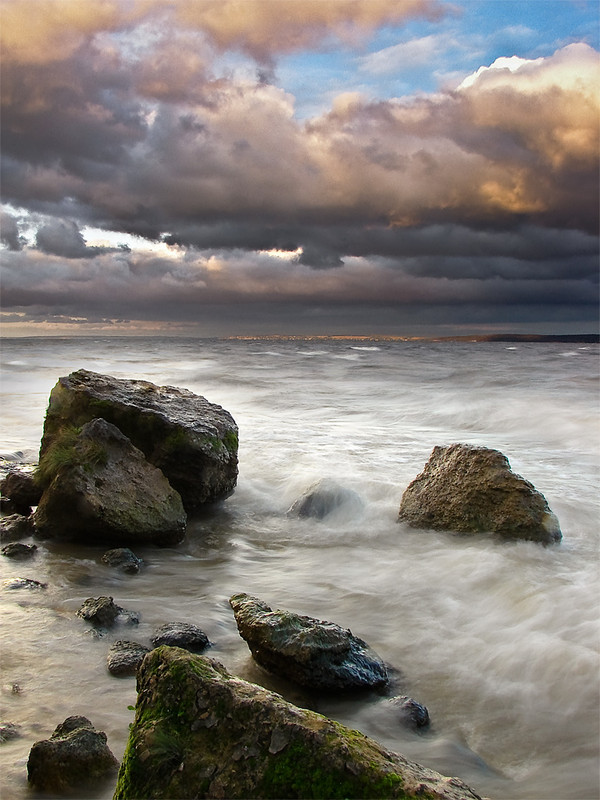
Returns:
(124,657)
(181,634)
(122,558)
(18,550)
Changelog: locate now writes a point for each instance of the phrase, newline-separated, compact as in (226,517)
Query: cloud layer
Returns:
(128,117)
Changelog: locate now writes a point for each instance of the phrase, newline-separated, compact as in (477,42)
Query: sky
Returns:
(299,167)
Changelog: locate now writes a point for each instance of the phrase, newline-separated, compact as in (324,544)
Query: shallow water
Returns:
(499,640)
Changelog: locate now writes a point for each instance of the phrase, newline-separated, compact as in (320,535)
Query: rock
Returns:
(22,490)
(181,634)
(24,583)
(15,526)
(76,755)
(122,558)
(192,441)
(105,490)
(103,612)
(315,654)
(8,730)
(200,733)
(124,657)
(473,489)
(324,497)
(408,711)
(19,551)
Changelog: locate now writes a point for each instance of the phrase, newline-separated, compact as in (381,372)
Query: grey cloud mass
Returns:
(484,196)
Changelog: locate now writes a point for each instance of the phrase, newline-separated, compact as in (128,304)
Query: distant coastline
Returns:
(575,338)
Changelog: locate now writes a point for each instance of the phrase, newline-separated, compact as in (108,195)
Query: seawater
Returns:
(499,640)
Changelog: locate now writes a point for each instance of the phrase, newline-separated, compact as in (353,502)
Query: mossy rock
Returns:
(193,442)
(199,732)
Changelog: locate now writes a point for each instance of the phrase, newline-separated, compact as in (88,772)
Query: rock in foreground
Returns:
(75,756)
(201,733)
(192,441)
(473,489)
(315,654)
(104,490)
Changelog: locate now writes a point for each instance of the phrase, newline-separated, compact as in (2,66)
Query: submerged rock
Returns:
(14,527)
(19,551)
(124,559)
(325,497)
(105,490)
(181,634)
(24,583)
(124,657)
(408,711)
(313,653)
(193,442)
(200,733)
(76,755)
(8,730)
(473,489)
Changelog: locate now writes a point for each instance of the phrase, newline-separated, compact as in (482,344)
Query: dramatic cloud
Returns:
(147,118)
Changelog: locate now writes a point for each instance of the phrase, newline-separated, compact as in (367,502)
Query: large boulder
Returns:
(315,654)
(192,441)
(201,733)
(471,489)
(104,490)
(75,756)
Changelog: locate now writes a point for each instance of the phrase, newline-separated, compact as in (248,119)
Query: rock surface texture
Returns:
(124,657)
(21,489)
(105,491)
(473,489)
(316,654)
(75,756)
(14,527)
(192,441)
(201,733)
(181,634)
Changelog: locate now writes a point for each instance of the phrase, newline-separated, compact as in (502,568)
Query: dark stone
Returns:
(181,634)
(14,527)
(409,712)
(313,653)
(18,550)
(8,730)
(22,490)
(24,583)
(473,490)
(325,497)
(106,491)
(122,558)
(124,657)
(103,612)
(199,732)
(76,755)
(192,441)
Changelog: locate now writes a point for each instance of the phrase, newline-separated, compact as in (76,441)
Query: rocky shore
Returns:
(125,463)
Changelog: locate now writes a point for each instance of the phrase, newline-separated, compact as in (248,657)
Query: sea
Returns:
(498,639)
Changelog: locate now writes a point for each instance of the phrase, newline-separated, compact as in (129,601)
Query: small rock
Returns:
(124,657)
(122,558)
(103,612)
(181,634)
(76,755)
(8,730)
(18,550)
(409,712)
(324,497)
(22,489)
(24,583)
(14,527)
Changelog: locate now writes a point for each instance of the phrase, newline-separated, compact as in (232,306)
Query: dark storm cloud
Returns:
(485,194)
(9,232)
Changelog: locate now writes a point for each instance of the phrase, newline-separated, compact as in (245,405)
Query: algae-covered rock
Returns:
(192,441)
(104,490)
(313,653)
(201,733)
(473,489)
(75,756)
